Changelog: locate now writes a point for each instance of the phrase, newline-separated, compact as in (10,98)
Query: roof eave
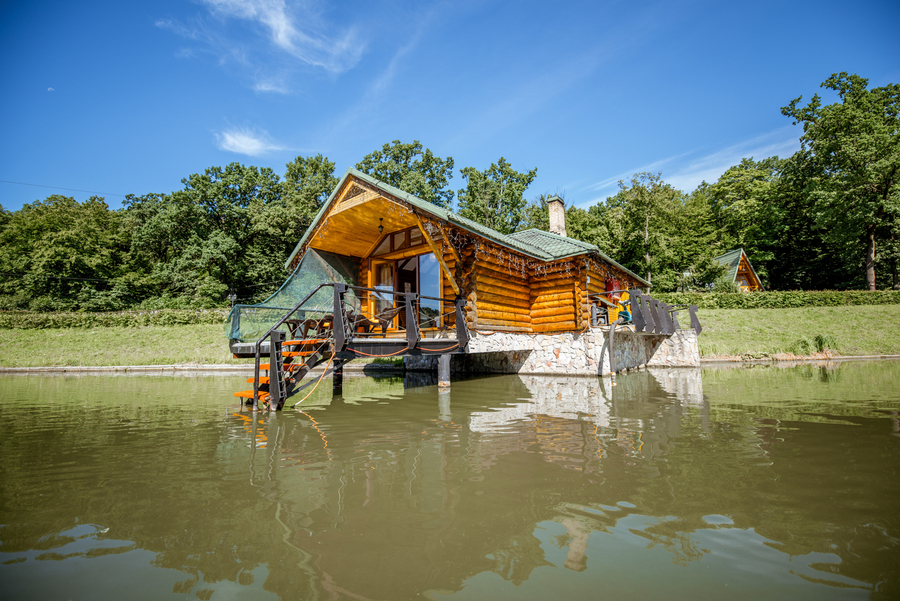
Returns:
(445,215)
(315,222)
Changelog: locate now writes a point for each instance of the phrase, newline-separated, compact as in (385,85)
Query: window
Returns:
(399,241)
(384,280)
(384,247)
(429,285)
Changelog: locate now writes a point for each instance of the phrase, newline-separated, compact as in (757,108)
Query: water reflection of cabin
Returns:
(529,281)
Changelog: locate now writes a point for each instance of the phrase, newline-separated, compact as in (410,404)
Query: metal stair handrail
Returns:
(268,334)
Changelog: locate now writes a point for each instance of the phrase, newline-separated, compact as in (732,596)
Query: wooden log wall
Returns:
(496,297)
(555,297)
(461,271)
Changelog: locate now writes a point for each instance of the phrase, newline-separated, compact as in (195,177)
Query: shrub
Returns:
(22,320)
(726,285)
(780,300)
(824,342)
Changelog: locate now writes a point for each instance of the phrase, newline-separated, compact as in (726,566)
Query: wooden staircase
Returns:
(289,362)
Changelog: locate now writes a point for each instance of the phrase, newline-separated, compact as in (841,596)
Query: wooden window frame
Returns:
(407,238)
(374,262)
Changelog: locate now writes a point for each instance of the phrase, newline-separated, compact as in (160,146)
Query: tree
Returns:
(645,201)
(215,235)
(693,243)
(308,181)
(741,206)
(412,169)
(536,214)
(854,146)
(59,253)
(495,197)
(802,255)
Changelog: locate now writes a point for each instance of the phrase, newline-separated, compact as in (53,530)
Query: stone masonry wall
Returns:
(570,353)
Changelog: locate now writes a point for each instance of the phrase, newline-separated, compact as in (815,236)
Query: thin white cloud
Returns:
(368,102)
(270,86)
(50,90)
(247,141)
(781,142)
(296,30)
(613,181)
(687,175)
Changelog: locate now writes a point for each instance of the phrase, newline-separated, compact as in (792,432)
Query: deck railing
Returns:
(649,315)
(339,327)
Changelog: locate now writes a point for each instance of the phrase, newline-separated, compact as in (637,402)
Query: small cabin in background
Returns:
(530,281)
(740,271)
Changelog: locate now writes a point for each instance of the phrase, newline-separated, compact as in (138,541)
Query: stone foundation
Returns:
(568,353)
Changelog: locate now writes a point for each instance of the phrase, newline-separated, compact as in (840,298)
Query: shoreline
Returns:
(362,368)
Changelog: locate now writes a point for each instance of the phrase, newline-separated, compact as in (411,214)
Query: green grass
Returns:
(150,345)
(849,330)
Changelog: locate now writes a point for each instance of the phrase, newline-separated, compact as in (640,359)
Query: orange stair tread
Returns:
(306,341)
(287,366)
(297,354)
(248,394)
(262,380)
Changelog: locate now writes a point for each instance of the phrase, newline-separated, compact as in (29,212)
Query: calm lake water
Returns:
(738,483)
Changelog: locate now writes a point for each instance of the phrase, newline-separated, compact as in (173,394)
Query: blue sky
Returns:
(129,98)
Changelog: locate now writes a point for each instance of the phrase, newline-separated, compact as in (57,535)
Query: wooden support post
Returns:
(452,248)
(444,371)
(437,253)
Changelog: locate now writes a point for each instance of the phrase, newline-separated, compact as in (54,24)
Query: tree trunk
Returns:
(647,243)
(896,279)
(870,257)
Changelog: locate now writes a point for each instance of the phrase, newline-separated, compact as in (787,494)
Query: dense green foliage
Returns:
(853,148)
(413,169)
(826,218)
(495,196)
(781,300)
(227,231)
(28,320)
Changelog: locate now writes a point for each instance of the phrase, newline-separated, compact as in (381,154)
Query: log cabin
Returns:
(739,270)
(382,273)
(531,281)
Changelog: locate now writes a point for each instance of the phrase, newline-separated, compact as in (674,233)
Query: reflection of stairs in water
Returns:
(292,360)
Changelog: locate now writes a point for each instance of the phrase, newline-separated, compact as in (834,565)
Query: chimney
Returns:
(557,215)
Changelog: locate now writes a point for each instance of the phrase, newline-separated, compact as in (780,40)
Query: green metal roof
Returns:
(732,260)
(561,247)
(537,244)
(555,246)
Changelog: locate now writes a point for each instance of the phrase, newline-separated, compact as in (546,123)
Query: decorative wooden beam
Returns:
(438,254)
(369,252)
(453,250)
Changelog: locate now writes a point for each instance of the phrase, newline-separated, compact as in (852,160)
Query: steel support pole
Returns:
(444,371)
(337,379)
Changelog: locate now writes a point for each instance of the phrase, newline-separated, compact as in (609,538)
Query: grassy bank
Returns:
(150,345)
(848,330)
